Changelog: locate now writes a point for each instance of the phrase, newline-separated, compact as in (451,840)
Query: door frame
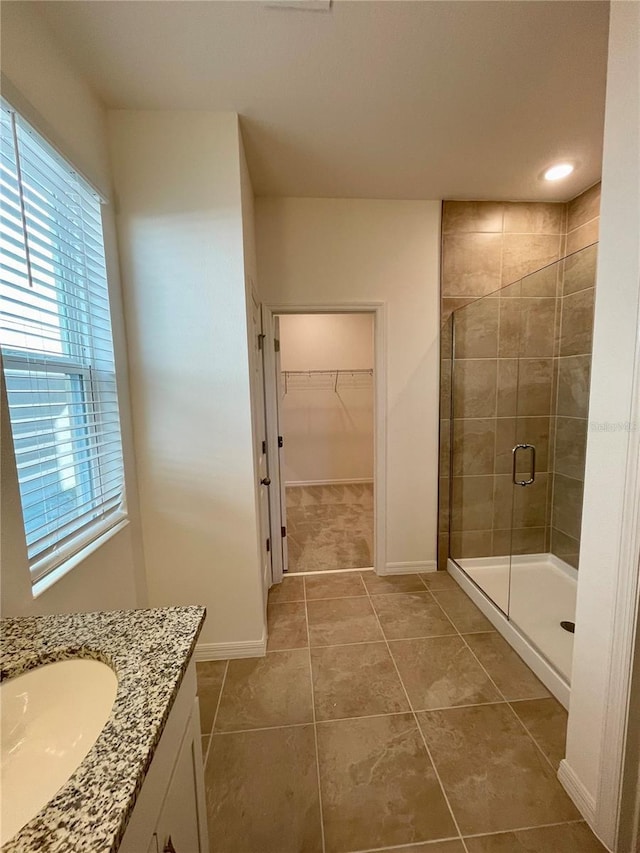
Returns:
(378,310)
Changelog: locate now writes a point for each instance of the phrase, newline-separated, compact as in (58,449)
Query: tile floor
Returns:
(330,527)
(386,715)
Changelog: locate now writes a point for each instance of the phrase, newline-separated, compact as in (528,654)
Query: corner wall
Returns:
(606,615)
(180,226)
(316,252)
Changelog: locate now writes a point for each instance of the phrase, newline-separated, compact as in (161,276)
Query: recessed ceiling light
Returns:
(557,172)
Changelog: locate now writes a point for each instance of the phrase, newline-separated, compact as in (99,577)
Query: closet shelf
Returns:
(326,380)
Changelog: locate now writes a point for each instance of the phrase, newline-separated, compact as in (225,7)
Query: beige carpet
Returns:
(330,527)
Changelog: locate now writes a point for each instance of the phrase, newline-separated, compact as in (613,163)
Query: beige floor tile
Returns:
(354,681)
(568,838)
(441,672)
(342,620)
(291,589)
(287,625)
(334,586)
(511,675)
(378,786)
(262,792)
(210,675)
(270,691)
(495,777)
(461,610)
(379,584)
(546,720)
(411,614)
(439,580)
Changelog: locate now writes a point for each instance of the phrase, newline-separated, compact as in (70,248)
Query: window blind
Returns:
(57,349)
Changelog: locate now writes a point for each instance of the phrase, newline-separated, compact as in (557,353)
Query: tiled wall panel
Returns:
(525,351)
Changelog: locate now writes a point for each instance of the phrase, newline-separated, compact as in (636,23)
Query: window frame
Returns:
(93,525)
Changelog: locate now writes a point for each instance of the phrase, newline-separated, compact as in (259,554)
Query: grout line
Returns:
(412,845)
(263,729)
(215,716)
(315,572)
(373,642)
(359,717)
(531,735)
(334,597)
(420,732)
(315,726)
(527,828)
(501,693)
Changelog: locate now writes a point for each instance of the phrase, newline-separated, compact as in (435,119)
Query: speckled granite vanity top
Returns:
(149,650)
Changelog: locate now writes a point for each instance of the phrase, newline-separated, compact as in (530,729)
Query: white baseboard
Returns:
(229,651)
(410,568)
(329,482)
(582,799)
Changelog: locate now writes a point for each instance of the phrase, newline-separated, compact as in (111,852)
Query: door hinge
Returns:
(276,345)
(268,545)
(280,441)
(264,446)
(283,531)
(260,340)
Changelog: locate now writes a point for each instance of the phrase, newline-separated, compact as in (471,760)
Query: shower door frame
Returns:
(378,310)
(501,619)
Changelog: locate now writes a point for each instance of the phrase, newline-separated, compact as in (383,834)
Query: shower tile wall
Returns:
(485,247)
(572,369)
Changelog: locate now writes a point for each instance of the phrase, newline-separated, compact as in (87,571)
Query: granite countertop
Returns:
(149,650)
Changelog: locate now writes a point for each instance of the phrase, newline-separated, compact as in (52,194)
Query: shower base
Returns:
(538,591)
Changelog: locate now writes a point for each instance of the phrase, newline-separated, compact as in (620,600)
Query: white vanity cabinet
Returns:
(170,813)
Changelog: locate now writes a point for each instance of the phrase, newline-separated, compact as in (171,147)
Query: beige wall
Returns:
(326,341)
(607,589)
(327,424)
(180,226)
(327,251)
(486,247)
(53,96)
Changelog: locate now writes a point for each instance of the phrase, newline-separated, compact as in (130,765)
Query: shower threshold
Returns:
(538,591)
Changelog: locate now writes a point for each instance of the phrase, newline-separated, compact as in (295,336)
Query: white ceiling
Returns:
(388,99)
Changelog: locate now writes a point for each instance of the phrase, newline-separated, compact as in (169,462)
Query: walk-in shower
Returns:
(519,365)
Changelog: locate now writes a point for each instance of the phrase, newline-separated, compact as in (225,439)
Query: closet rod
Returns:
(368,370)
(334,373)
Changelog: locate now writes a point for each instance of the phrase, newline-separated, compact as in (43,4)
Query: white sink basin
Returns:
(51,717)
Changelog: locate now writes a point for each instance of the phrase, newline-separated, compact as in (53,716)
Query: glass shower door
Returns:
(536,593)
(520,363)
(485,351)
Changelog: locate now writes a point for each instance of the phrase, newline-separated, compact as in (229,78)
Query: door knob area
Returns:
(266,481)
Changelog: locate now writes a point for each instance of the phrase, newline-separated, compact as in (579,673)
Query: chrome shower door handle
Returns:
(514,452)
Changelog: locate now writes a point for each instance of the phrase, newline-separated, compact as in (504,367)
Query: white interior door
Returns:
(260,437)
(273,397)
(282,491)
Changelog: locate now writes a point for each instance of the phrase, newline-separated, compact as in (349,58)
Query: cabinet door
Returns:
(179,822)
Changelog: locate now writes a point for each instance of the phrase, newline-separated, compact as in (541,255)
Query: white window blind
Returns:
(57,349)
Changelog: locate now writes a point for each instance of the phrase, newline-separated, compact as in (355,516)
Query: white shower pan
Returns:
(538,592)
